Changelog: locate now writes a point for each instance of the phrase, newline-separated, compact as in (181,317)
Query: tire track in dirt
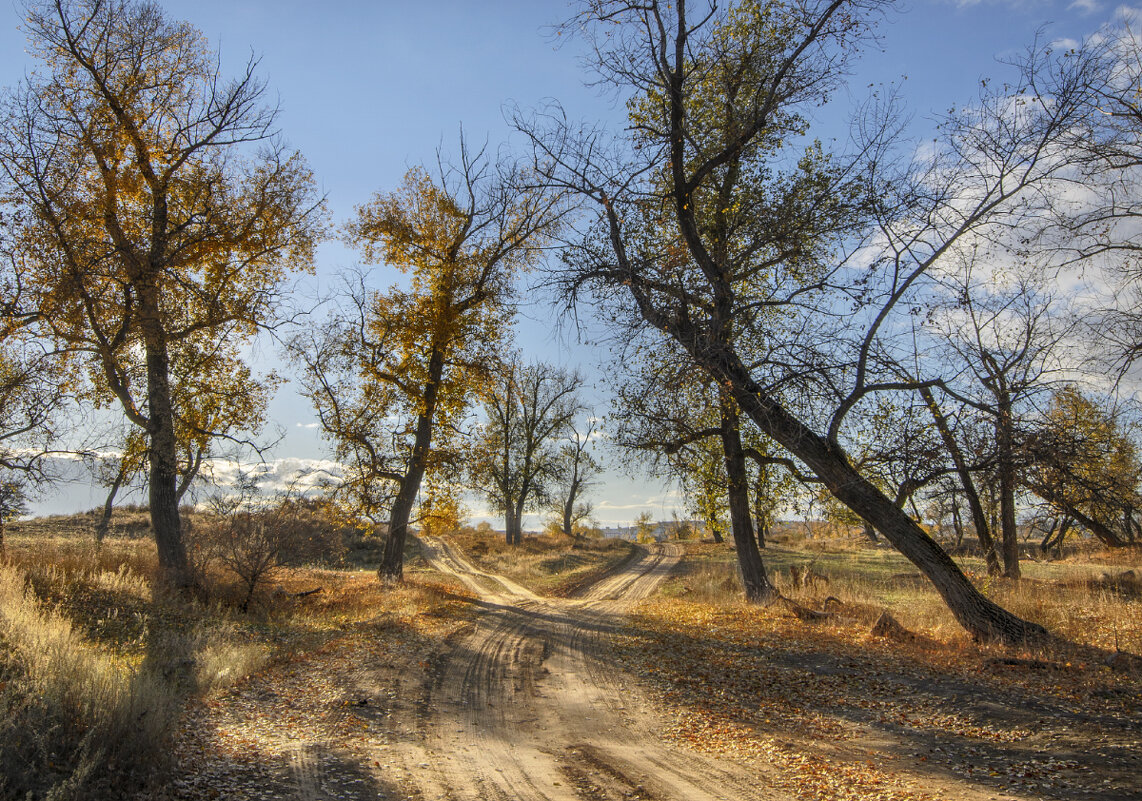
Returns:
(528,705)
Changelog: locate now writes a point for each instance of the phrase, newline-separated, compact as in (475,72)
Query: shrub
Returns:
(253,539)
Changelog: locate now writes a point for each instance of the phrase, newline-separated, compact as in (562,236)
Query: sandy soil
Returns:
(529,701)
(526,704)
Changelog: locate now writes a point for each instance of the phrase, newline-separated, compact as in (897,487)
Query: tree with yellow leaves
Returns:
(392,372)
(151,206)
(1086,467)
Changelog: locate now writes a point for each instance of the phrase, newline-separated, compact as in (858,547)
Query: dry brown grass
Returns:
(95,666)
(947,717)
(1068,597)
(548,564)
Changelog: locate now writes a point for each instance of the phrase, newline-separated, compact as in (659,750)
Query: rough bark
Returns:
(392,562)
(1005,466)
(163,489)
(755,581)
(979,517)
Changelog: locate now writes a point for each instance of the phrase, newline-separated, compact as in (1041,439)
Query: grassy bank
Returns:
(96,667)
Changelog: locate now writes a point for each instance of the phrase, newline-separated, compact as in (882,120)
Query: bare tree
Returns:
(575,472)
(528,408)
(1011,338)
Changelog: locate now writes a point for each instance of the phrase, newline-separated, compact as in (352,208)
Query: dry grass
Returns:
(943,714)
(550,565)
(95,668)
(105,709)
(1073,598)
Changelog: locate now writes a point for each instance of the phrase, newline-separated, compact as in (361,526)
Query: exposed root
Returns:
(803,612)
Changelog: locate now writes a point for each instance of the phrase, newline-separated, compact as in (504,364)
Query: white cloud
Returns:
(276,475)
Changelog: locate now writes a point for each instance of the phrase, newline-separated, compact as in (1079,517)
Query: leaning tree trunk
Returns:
(981,617)
(1095,527)
(392,561)
(979,517)
(755,581)
(163,451)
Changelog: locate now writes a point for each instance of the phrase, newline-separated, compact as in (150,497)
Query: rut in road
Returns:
(527,705)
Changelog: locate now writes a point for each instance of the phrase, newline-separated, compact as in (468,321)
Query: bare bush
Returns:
(253,537)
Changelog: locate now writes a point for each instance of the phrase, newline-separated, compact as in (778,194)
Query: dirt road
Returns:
(528,701)
(527,705)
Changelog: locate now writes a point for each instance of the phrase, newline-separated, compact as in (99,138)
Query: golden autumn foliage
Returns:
(154,217)
(393,371)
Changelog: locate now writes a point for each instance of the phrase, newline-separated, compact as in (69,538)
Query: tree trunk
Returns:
(163,451)
(1055,536)
(760,515)
(979,517)
(513,525)
(981,617)
(104,522)
(569,505)
(869,532)
(519,518)
(1095,527)
(392,562)
(755,582)
(568,513)
(957,523)
(1006,467)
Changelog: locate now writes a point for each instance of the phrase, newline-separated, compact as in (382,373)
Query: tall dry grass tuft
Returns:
(71,710)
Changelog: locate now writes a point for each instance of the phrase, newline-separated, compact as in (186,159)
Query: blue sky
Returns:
(368,89)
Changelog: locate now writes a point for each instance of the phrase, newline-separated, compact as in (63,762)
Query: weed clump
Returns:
(71,714)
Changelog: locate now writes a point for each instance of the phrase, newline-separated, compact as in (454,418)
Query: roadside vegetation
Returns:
(98,662)
(819,698)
